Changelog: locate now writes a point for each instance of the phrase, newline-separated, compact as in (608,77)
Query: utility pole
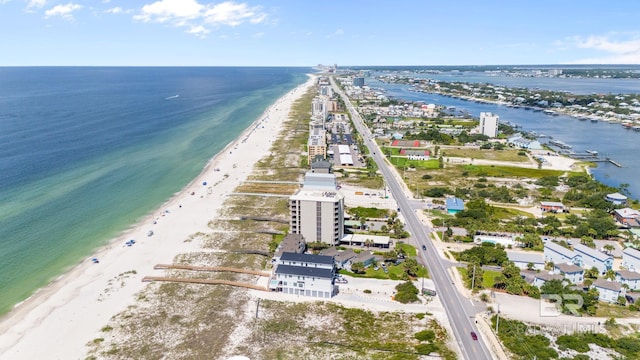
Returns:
(498,319)
(473,278)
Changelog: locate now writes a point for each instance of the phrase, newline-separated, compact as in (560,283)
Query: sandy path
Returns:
(60,319)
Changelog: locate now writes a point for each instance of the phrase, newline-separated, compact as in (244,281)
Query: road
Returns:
(460,310)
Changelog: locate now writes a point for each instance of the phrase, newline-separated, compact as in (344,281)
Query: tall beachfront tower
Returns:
(317,209)
(489,124)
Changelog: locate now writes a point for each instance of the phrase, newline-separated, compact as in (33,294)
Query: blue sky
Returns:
(306,33)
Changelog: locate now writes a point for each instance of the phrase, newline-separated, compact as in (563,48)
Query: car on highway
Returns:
(474,336)
(424,247)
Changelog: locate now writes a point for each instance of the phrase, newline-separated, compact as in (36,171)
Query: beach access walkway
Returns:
(207,281)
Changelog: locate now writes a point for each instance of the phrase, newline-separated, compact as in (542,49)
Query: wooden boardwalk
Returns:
(210,268)
(203,281)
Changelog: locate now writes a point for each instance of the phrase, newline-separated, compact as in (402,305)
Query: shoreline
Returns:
(57,320)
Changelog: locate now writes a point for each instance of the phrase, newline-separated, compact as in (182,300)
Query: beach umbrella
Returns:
(204,183)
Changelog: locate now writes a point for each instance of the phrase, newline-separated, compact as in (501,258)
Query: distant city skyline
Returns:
(305,33)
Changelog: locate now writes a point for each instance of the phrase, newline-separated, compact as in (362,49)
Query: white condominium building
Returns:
(489,124)
(317,209)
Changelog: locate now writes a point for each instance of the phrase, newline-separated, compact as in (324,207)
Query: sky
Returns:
(307,33)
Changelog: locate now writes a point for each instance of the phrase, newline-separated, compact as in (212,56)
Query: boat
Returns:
(636,128)
(594,120)
(172,97)
(592,152)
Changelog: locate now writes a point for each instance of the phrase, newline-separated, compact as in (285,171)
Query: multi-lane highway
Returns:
(460,310)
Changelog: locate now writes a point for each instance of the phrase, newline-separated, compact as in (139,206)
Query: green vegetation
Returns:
(496,155)
(406,293)
(510,171)
(368,212)
(514,336)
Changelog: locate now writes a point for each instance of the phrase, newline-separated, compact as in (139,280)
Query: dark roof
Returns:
(604,284)
(345,255)
(307,258)
(321,165)
(332,251)
(569,268)
(305,271)
(628,275)
(549,277)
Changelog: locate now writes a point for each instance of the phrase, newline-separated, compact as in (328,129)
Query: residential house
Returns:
(365,257)
(616,199)
(631,259)
(505,241)
(629,278)
(558,254)
(305,275)
(292,243)
(454,205)
(523,259)
(541,278)
(571,272)
(552,206)
(378,241)
(609,290)
(593,258)
(343,258)
(627,216)
(416,154)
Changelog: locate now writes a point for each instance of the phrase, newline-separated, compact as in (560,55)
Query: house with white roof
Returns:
(557,254)
(523,259)
(593,258)
(627,216)
(616,199)
(571,272)
(629,278)
(608,291)
(631,259)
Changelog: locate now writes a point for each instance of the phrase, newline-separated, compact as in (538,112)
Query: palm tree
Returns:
(609,248)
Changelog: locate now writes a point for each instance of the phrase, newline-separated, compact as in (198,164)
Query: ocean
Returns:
(86,152)
(609,139)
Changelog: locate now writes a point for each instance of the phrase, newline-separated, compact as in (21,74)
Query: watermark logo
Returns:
(555,304)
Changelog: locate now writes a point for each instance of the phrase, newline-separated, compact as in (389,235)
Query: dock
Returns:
(590,156)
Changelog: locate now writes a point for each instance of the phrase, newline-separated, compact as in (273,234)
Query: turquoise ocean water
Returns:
(87,152)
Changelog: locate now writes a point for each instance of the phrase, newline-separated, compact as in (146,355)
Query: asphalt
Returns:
(460,310)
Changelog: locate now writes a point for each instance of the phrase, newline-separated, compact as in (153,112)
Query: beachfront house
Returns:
(627,216)
(558,254)
(571,272)
(589,258)
(553,206)
(616,199)
(304,275)
(365,257)
(629,278)
(631,259)
(526,260)
(541,278)
(454,205)
(608,290)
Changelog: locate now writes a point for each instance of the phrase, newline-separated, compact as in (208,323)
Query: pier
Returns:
(589,156)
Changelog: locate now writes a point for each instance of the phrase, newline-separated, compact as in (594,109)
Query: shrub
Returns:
(426,349)
(425,335)
(573,343)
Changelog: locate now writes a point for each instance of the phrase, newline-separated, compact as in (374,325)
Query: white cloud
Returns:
(197,16)
(36,4)
(257,35)
(233,14)
(117,10)
(199,31)
(63,11)
(338,32)
(615,51)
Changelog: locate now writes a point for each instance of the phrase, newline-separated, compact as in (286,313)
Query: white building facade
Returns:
(304,275)
(631,259)
(489,124)
(317,210)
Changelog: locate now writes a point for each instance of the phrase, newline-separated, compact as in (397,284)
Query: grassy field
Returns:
(509,171)
(508,213)
(488,278)
(497,155)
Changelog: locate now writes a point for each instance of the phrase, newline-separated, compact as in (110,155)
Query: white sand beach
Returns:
(60,319)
